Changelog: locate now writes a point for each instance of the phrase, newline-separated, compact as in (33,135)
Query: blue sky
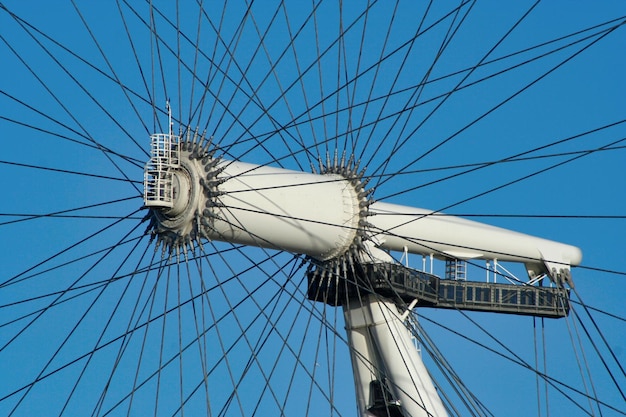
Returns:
(59,86)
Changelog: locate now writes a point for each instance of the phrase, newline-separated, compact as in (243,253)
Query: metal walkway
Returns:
(397,281)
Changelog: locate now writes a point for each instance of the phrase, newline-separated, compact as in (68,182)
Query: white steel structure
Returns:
(329,218)
(265,244)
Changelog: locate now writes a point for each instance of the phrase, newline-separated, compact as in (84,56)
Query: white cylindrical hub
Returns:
(316,215)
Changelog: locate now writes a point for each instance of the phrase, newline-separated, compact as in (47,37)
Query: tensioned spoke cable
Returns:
(587,369)
(481,80)
(125,341)
(553,382)
(374,76)
(338,90)
(62,251)
(471,403)
(60,295)
(501,103)
(319,70)
(67,171)
(501,161)
(324,325)
(525,177)
(408,45)
(310,67)
(262,311)
(107,324)
(67,338)
(195,70)
(585,394)
(197,113)
(156,67)
(216,98)
(67,216)
(137,61)
(92,145)
(521,157)
(338,76)
(598,310)
(582,366)
(162,341)
(180,326)
(372,123)
(350,96)
(537,365)
(65,109)
(523,51)
(545,366)
(230,48)
(218,330)
(416,93)
(273,64)
(481,165)
(178,61)
(231,52)
(253,350)
(597,350)
(253,97)
(270,328)
(300,77)
(587,309)
(151,319)
(449,94)
(414,98)
(203,350)
(282,92)
(320,55)
(293,377)
(169,361)
(112,78)
(117,79)
(60,102)
(77,290)
(63,213)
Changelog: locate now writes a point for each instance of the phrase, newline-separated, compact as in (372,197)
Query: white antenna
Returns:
(169,116)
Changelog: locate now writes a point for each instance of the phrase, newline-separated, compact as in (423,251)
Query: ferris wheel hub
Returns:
(326,215)
(179,189)
(195,196)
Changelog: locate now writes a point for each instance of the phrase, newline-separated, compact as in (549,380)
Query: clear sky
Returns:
(508,114)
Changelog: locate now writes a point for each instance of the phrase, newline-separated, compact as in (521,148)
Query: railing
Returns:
(158,187)
(399,282)
(430,290)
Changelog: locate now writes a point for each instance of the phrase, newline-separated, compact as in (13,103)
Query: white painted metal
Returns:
(158,174)
(422,232)
(298,212)
(318,215)
(382,347)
